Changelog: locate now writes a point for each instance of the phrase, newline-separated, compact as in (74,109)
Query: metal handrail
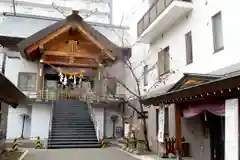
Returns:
(51,119)
(92,115)
(153,12)
(53,95)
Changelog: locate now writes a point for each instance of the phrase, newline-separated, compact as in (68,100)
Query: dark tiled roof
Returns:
(216,84)
(10,94)
(72,18)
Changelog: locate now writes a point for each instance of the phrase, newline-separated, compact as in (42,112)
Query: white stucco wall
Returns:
(99,117)
(14,65)
(204,59)
(109,124)
(36,125)
(15,122)
(232,129)
(199,22)
(40,120)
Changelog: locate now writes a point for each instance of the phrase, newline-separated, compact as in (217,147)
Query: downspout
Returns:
(14,7)
(104,122)
(4,63)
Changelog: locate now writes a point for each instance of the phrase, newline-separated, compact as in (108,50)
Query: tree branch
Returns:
(126,101)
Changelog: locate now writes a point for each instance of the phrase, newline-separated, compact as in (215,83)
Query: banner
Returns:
(161,117)
(126,129)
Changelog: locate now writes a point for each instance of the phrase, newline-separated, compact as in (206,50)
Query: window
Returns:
(217,32)
(27,81)
(111,86)
(166,122)
(163,61)
(189,53)
(145,75)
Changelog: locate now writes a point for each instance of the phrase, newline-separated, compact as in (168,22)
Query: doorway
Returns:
(217,136)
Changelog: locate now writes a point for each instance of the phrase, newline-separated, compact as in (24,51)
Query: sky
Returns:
(124,8)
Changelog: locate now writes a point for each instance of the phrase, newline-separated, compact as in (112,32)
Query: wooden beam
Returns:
(73,64)
(178,132)
(88,36)
(77,55)
(41,49)
(48,38)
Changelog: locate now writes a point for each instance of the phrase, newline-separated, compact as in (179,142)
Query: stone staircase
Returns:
(72,126)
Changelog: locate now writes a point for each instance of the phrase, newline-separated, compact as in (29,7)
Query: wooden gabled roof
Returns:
(192,79)
(193,85)
(31,46)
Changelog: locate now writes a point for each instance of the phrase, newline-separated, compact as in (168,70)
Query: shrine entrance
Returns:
(71,54)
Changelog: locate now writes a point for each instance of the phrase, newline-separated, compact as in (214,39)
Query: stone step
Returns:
(80,115)
(72,136)
(74,140)
(71,117)
(83,121)
(57,146)
(74,130)
(71,124)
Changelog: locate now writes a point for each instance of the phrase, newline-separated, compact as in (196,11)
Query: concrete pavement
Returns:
(78,154)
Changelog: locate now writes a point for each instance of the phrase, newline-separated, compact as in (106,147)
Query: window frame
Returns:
(189,48)
(215,33)
(111,82)
(27,88)
(165,54)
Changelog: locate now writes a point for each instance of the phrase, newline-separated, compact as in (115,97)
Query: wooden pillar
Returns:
(40,76)
(40,79)
(100,80)
(178,133)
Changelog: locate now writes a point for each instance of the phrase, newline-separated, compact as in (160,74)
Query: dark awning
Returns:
(10,94)
(10,42)
(199,90)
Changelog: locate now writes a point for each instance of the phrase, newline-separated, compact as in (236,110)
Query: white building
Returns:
(176,37)
(91,10)
(17,68)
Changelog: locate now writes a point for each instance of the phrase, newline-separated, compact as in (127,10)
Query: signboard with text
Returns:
(161,117)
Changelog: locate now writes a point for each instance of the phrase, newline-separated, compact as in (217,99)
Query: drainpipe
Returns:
(104,122)
(14,7)
(4,63)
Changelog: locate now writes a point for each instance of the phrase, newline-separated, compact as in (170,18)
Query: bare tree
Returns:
(136,95)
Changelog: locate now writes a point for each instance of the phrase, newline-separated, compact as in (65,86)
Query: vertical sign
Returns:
(161,124)
(231,129)
(126,129)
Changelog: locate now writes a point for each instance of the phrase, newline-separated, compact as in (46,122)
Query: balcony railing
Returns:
(153,12)
(56,95)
